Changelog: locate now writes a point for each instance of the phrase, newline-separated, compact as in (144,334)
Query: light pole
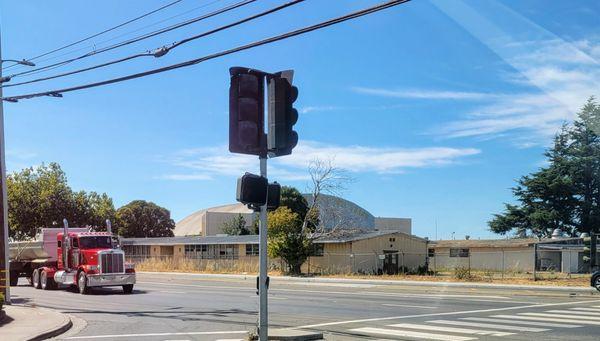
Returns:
(4,264)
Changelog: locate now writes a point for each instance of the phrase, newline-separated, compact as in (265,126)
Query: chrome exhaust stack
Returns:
(65,244)
(108,226)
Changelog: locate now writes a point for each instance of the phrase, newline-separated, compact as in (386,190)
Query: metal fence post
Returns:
(534,261)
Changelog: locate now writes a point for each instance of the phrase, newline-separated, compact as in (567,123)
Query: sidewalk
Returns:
(22,323)
(589,290)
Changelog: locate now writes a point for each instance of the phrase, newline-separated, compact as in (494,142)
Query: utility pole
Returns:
(4,263)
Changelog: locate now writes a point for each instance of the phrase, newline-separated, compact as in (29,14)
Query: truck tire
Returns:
(14,278)
(128,289)
(82,284)
(47,283)
(35,277)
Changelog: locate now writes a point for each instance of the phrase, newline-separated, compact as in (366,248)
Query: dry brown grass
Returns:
(212,266)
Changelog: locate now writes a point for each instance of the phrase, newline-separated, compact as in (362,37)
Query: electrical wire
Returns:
(102,32)
(139,38)
(125,34)
(304,30)
(159,52)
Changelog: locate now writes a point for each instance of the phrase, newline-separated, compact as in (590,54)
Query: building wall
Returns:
(215,220)
(363,256)
(519,259)
(403,225)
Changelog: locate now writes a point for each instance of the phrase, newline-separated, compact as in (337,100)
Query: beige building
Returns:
(508,255)
(370,252)
(209,222)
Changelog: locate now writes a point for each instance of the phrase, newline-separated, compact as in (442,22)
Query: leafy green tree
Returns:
(287,240)
(141,218)
(236,226)
(566,193)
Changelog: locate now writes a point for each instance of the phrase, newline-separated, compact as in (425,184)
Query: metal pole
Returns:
(262,277)
(534,261)
(4,264)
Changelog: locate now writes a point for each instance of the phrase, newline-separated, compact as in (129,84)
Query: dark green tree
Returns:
(566,193)
(141,218)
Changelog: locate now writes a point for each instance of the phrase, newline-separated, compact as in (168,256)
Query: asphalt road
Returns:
(182,307)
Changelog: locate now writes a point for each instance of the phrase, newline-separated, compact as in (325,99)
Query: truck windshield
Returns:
(97,242)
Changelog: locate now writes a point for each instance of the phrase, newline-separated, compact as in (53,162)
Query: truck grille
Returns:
(111,263)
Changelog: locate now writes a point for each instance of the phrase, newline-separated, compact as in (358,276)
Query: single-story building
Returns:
(364,252)
(509,255)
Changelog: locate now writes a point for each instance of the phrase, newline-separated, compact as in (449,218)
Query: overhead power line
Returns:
(304,30)
(138,38)
(159,52)
(103,32)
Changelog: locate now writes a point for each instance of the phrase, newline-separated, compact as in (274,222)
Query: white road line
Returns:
(566,316)
(335,323)
(577,313)
(586,309)
(409,306)
(547,319)
(417,335)
(114,336)
(526,323)
(450,329)
(443,295)
(173,292)
(488,325)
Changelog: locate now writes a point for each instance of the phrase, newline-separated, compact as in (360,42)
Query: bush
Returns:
(1,300)
(462,273)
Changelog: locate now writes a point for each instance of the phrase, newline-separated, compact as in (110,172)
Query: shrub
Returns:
(462,273)
(1,300)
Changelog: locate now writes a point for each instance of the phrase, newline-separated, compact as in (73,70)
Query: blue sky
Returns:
(433,107)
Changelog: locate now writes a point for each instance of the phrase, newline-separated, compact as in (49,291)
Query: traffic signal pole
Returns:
(263,325)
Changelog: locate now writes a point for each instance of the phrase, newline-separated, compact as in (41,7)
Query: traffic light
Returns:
(282,114)
(246,112)
(274,196)
(252,189)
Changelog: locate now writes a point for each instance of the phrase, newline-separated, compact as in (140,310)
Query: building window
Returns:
(251,249)
(431,253)
(459,252)
(317,250)
(196,251)
(392,239)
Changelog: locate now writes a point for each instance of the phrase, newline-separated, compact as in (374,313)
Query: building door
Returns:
(390,262)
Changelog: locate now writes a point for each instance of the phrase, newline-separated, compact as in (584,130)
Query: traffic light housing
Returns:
(273,196)
(252,189)
(282,115)
(246,112)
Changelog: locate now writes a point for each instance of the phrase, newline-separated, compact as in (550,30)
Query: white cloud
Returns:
(425,94)
(210,163)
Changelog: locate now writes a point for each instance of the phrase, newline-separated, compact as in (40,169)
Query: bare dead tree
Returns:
(325,178)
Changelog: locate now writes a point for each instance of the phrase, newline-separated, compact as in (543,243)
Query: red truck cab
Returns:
(86,260)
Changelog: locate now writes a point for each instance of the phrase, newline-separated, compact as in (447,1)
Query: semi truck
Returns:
(75,257)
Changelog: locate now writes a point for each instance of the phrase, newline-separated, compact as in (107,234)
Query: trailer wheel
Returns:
(82,284)
(36,279)
(46,282)
(128,289)
(14,278)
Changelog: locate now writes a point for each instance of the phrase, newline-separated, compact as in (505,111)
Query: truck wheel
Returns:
(36,279)
(46,282)
(82,284)
(128,289)
(14,278)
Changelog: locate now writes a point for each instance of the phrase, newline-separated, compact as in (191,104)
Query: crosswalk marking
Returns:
(526,323)
(450,329)
(417,335)
(586,309)
(577,313)
(487,325)
(558,315)
(547,319)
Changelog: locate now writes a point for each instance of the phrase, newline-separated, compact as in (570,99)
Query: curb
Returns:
(54,332)
(388,282)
